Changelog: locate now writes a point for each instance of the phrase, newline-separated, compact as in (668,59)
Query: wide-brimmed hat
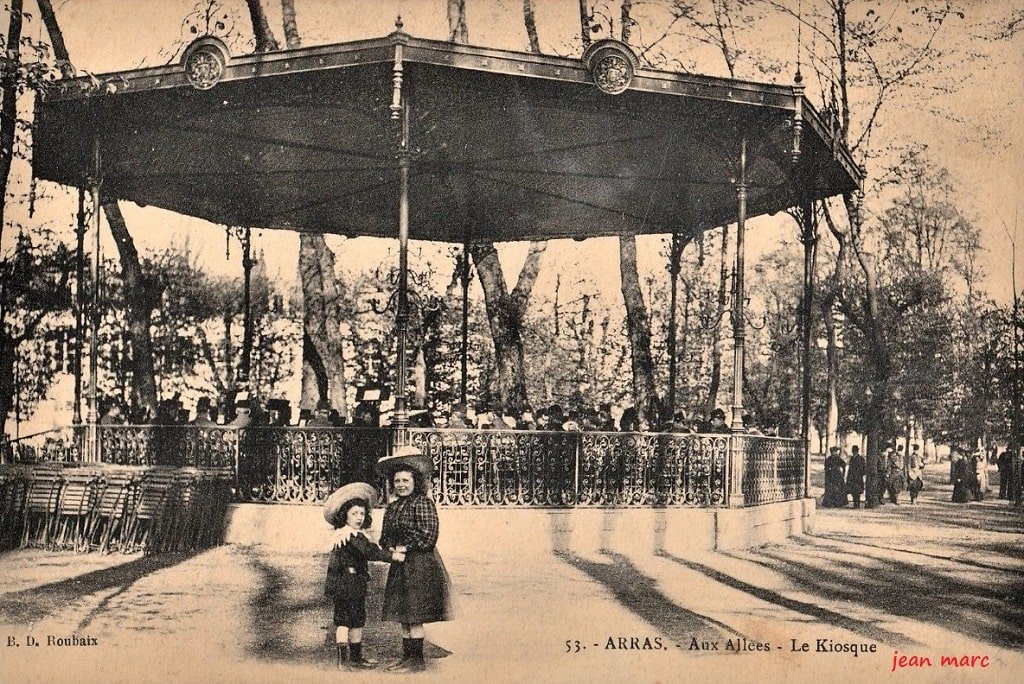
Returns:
(406,457)
(354,490)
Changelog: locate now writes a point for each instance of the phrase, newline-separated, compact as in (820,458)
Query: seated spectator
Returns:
(556,418)
(629,421)
(113,415)
(420,418)
(203,413)
(280,412)
(366,414)
(605,422)
(458,417)
(322,416)
(748,425)
(243,411)
(717,424)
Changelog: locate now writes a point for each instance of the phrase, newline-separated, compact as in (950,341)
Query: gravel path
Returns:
(929,580)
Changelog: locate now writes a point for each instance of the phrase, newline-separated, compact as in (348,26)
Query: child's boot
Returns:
(356,658)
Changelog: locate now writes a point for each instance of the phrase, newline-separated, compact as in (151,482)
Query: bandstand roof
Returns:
(504,145)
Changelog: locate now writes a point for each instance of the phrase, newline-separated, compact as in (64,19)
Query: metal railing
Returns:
(473,467)
(773,469)
(558,469)
(59,445)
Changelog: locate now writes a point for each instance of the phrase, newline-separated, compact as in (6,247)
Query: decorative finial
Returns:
(798,78)
(398,23)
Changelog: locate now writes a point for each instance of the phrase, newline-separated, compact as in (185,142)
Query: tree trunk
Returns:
(638,329)
(323,367)
(832,376)
(505,314)
(141,297)
(9,107)
(8,388)
(585,24)
(879,418)
(321,324)
(291,28)
(530,20)
(265,40)
(716,337)
(458,31)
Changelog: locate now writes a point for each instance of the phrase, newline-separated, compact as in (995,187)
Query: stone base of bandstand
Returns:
(578,531)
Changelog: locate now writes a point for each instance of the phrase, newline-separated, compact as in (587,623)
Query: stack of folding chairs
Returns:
(101,509)
(42,500)
(13,486)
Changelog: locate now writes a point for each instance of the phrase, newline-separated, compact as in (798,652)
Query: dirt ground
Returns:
(930,580)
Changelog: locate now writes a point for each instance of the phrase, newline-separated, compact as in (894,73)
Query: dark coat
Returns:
(855,474)
(961,480)
(347,578)
(835,489)
(417,590)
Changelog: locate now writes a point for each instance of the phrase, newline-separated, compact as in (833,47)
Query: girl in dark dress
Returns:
(348,510)
(417,590)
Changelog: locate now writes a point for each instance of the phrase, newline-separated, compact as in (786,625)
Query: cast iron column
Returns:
(809,238)
(92,440)
(464,277)
(401,418)
(738,304)
(79,305)
(245,368)
(673,268)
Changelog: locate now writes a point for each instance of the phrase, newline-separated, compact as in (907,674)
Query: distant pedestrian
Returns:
(882,475)
(855,475)
(915,472)
(835,480)
(961,478)
(977,466)
(1005,465)
(896,477)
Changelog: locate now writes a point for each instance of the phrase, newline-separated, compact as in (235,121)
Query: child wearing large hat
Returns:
(348,510)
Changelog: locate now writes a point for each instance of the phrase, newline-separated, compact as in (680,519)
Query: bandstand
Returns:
(413,139)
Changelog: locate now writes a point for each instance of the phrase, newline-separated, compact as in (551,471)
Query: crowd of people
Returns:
(898,471)
(242,410)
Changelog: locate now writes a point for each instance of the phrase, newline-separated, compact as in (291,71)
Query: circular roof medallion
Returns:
(205,62)
(611,65)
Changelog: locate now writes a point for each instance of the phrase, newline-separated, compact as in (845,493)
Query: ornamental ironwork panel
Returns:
(210,447)
(773,469)
(559,469)
(128,445)
(652,469)
(61,445)
(304,465)
(500,467)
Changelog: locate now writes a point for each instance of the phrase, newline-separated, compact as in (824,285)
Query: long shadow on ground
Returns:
(291,619)
(640,594)
(987,608)
(40,602)
(825,615)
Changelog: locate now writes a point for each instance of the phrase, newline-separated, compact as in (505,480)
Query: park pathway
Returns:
(929,580)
